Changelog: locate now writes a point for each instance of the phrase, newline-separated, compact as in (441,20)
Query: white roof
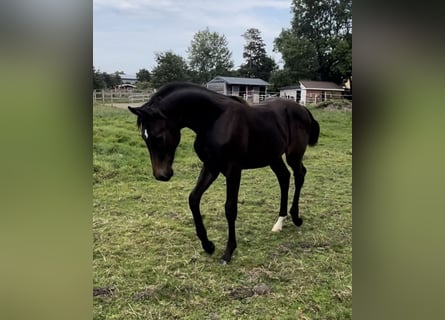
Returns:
(241,81)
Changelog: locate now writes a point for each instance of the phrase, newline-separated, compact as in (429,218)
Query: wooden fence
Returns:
(139,97)
(116,96)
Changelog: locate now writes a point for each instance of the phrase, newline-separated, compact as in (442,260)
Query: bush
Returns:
(341,104)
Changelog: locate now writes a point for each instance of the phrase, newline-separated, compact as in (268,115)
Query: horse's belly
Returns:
(255,154)
(261,156)
(255,165)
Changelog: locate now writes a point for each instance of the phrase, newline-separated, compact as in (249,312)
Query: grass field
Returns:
(149,264)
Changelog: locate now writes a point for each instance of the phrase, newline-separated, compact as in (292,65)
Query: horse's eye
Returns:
(158,139)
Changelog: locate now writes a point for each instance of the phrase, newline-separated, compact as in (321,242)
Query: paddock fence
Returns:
(111,97)
(256,98)
(138,97)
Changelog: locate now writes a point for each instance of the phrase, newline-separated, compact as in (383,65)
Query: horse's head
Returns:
(161,137)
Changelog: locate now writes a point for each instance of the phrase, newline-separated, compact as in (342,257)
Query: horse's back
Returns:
(253,136)
(258,135)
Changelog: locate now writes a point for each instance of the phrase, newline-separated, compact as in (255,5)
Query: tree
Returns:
(341,60)
(98,80)
(299,55)
(115,79)
(112,80)
(209,55)
(280,78)
(103,80)
(319,43)
(258,64)
(170,67)
(143,75)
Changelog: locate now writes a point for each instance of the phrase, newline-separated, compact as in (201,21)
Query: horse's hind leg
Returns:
(283,175)
(205,179)
(299,172)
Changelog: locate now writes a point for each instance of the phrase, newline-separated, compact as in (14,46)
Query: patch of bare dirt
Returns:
(104,292)
(243,292)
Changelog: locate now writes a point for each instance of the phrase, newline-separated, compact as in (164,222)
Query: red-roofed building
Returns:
(312,92)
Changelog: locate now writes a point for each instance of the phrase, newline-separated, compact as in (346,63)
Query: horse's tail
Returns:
(314,130)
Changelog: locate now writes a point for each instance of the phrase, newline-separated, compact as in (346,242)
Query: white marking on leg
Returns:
(278,226)
(145,134)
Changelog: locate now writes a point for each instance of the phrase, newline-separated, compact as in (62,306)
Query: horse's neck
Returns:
(196,112)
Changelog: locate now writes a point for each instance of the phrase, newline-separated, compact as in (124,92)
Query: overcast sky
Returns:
(128,33)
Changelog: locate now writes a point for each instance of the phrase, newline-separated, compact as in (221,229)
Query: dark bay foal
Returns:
(230,137)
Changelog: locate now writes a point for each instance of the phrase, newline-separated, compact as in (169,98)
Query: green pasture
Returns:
(149,264)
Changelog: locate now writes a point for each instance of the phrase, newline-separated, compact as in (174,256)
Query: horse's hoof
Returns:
(278,226)
(225,259)
(297,221)
(209,247)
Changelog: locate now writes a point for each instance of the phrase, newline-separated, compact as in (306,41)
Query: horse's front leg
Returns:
(206,178)
(233,178)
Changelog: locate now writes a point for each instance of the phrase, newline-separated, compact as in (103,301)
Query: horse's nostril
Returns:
(164,176)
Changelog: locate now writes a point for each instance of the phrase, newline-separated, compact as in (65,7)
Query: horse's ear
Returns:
(148,113)
(135,110)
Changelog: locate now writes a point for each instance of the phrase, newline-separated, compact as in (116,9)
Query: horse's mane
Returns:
(162,92)
(167,89)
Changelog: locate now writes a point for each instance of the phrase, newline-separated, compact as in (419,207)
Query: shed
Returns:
(128,79)
(251,89)
(308,92)
(126,87)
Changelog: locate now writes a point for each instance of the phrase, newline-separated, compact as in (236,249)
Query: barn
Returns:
(128,79)
(126,87)
(251,89)
(311,92)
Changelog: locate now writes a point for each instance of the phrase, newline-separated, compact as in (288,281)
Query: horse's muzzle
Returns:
(164,176)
